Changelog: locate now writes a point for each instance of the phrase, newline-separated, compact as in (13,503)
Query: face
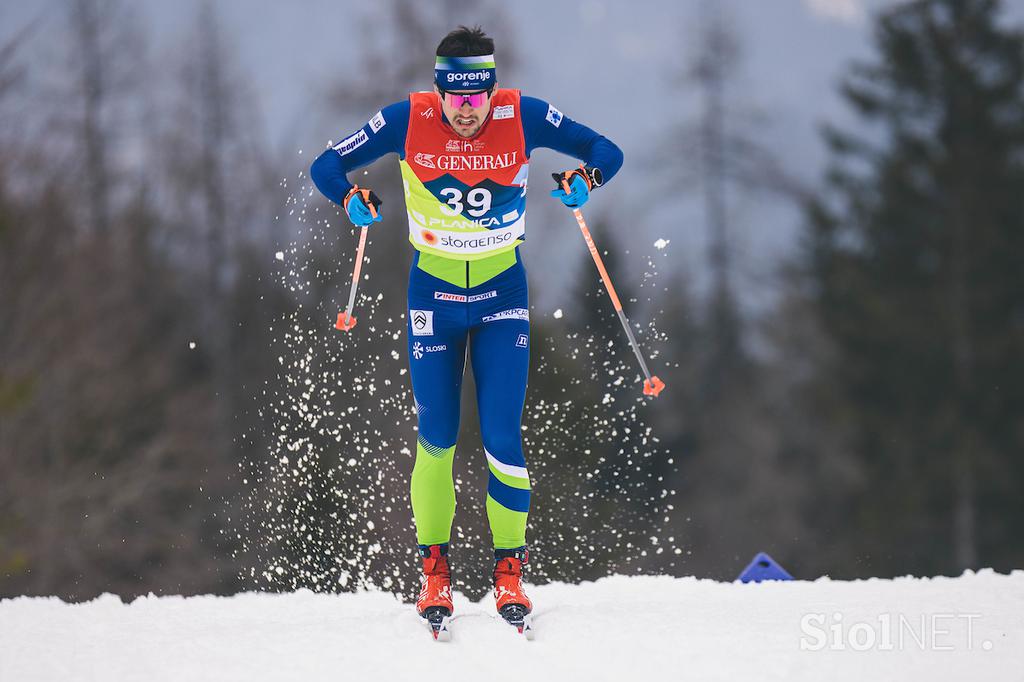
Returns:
(467,119)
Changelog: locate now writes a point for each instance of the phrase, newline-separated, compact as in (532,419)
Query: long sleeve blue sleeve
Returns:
(382,134)
(545,126)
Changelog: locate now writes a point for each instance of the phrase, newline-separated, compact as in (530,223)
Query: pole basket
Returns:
(653,386)
(346,322)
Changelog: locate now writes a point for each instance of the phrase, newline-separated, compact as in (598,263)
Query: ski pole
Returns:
(652,384)
(345,320)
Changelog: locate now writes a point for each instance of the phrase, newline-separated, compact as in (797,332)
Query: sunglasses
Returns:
(456,100)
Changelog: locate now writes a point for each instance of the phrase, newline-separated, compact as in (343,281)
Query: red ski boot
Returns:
(435,600)
(509,597)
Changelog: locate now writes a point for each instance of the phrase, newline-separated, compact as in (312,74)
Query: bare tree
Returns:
(11,72)
(108,432)
(734,480)
(102,31)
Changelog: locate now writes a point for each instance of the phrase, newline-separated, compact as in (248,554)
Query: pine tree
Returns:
(915,268)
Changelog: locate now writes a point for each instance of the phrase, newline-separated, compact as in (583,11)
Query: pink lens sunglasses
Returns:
(456,100)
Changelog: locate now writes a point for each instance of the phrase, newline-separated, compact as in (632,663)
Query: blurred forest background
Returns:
(178,415)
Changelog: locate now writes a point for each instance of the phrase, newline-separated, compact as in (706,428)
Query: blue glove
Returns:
(362,206)
(580,180)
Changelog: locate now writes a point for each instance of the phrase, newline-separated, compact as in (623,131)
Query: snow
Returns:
(558,314)
(661,243)
(617,628)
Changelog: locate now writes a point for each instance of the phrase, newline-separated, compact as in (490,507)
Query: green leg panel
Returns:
(433,493)
(508,527)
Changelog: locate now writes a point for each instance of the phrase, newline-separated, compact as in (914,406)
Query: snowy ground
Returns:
(619,628)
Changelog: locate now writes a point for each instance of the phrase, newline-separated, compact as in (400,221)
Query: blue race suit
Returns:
(465,200)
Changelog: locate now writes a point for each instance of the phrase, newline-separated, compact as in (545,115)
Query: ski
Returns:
(439,621)
(517,616)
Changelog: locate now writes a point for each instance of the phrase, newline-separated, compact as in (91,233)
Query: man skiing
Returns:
(464,151)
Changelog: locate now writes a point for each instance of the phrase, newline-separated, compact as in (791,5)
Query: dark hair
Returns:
(466,42)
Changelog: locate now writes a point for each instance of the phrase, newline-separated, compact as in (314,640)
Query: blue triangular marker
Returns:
(763,567)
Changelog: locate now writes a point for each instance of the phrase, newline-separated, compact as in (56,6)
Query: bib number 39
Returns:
(478,198)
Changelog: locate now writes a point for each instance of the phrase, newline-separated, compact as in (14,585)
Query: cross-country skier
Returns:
(464,150)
